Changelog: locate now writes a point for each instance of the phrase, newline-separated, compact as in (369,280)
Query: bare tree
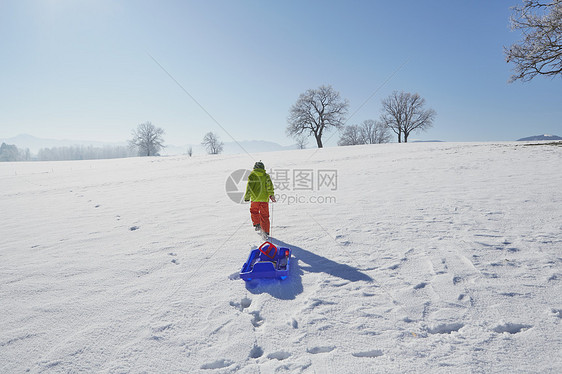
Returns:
(369,132)
(351,135)
(374,132)
(540,51)
(302,142)
(212,143)
(403,113)
(315,112)
(147,139)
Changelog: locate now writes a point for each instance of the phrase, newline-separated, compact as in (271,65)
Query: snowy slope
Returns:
(427,257)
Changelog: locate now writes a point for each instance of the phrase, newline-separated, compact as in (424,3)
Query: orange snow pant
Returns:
(260,214)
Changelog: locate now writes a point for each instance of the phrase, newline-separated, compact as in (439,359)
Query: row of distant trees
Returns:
(81,152)
(9,152)
(368,132)
(403,113)
(147,140)
(320,110)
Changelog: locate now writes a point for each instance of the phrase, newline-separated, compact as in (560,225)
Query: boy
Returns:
(259,189)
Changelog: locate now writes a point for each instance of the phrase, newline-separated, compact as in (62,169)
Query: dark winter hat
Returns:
(259,165)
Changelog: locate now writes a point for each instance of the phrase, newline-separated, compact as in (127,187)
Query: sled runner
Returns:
(267,261)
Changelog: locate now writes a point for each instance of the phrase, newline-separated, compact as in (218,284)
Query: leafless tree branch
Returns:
(317,111)
(404,113)
(147,139)
(212,143)
(540,50)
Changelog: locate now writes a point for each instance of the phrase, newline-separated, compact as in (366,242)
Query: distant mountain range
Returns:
(25,141)
(540,137)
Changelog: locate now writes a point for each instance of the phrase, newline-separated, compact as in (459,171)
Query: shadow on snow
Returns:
(290,288)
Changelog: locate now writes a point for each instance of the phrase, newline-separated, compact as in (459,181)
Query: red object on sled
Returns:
(270,249)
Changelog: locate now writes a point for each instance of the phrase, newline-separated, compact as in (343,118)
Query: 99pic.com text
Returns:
(292,199)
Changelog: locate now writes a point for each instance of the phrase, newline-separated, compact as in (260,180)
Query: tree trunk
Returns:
(318,136)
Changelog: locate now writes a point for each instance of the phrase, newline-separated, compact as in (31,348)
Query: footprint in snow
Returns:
(341,241)
(511,328)
(317,302)
(174,261)
(157,332)
(162,328)
(370,354)
(280,355)
(445,328)
(317,350)
(258,320)
(256,352)
(218,364)
(243,304)
(512,294)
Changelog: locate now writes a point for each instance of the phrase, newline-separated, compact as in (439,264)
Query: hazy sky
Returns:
(74,69)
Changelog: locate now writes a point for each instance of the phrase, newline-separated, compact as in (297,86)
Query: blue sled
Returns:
(267,261)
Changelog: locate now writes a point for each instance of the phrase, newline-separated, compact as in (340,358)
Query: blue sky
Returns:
(82,69)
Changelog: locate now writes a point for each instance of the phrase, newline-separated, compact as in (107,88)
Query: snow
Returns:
(426,257)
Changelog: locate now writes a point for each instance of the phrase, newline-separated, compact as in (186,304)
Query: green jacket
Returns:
(259,187)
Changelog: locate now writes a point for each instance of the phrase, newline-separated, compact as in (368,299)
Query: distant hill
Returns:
(540,137)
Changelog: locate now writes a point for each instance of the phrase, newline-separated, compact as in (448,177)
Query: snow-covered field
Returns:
(428,257)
